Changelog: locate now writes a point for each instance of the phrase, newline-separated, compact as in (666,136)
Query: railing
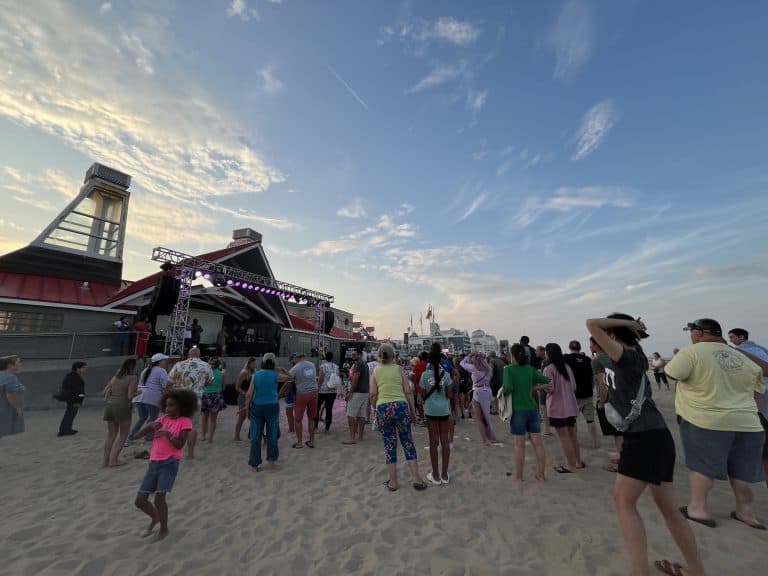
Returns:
(67,345)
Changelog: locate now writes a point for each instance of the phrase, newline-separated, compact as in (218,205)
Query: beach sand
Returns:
(326,511)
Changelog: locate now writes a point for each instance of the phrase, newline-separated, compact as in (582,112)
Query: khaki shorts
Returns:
(587,408)
(357,407)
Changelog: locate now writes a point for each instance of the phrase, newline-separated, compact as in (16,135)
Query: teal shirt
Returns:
(265,388)
(215,386)
(438,403)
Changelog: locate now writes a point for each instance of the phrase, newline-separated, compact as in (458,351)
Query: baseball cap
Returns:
(158,357)
(269,356)
(296,355)
(574,345)
(705,325)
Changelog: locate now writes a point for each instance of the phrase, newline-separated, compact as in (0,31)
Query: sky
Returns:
(519,166)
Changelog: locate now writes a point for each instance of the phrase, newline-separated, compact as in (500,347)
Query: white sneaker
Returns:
(446,481)
(432,480)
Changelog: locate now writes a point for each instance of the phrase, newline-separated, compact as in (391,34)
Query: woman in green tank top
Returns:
(393,398)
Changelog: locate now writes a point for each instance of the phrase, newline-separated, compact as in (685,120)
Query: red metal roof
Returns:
(307,326)
(54,290)
(151,281)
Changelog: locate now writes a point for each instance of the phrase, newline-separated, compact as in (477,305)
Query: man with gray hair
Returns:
(192,374)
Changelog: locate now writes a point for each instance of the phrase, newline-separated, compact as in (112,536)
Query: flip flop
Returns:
(708,522)
(309,444)
(296,445)
(432,479)
(757,526)
(420,486)
(562,470)
(667,567)
(390,487)
(611,468)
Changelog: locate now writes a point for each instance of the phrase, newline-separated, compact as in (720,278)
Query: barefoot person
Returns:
(170,433)
(242,383)
(304,376)
(480,372)
(119,392)
(212,401)
(436,385)
(152,383)
(521,382)
(357,399)
(718,394)
(393,398)
(582,371)
(263,407)
(648,453)
(563,407)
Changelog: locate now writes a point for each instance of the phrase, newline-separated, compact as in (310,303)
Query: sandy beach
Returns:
(326,511)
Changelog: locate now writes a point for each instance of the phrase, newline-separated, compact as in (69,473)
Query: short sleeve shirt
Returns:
(716,386)
(582,371)
(192,374)
(623,378)
(305,377)
(438,403)
(152,388)
(162,449)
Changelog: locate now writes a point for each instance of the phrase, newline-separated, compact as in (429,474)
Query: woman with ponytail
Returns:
(436,388)
(562,407)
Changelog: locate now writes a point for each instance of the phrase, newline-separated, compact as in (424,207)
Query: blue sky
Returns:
(520,166)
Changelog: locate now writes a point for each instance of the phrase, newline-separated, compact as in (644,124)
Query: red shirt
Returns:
(417,371)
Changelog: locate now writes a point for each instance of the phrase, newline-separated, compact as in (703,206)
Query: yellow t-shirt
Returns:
(389,383)
(716,387)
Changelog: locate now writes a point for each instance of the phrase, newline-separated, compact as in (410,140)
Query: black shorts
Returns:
(437,418)
(605,426)
(764,422)
(495,389)
(648,456)
(569,422)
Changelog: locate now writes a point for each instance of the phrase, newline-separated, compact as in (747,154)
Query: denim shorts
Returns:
(525,422)
(160,476)
(721,454)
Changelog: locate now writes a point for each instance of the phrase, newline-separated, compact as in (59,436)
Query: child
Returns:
(169,436)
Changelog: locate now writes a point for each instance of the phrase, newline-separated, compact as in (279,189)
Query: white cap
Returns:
(159,357)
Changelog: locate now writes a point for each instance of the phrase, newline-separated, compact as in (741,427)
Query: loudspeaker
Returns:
(165,296)
(328,321)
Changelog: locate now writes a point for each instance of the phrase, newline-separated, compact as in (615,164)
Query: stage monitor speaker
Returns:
(165,295)
(328,321)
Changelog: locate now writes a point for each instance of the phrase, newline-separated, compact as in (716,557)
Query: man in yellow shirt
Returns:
(718,393)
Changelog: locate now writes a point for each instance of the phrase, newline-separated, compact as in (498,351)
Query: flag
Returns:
(429,312)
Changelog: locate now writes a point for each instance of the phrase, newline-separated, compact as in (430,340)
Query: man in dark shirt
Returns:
(582,371)
(72,392)
(497,365)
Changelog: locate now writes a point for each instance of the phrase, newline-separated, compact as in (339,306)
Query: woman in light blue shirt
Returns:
(437,391)
(11,397)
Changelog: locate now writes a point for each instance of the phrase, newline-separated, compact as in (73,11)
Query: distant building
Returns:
(482,342)
(452,340)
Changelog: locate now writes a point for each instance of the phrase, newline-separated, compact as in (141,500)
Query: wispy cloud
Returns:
(569,200)
(639,285)
(571,38)
(354,209)
(476,99)
(405,209)
(422,32)
(347,87)
(144,57)
(240,9)
(250,216)
(473,207)
(105,7)
(385,233)
(436,77)
(596,123)
(269,82)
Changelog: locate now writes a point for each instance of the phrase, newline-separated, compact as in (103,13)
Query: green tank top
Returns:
(389,383)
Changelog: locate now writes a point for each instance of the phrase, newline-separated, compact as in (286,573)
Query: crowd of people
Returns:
(719,402)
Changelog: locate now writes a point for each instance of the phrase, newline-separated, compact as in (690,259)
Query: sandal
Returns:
(667,567)
(708,522)
(420,486)
(390,487)
(309,444)
(296,445)
(562,470)
(757,526)
(432,479)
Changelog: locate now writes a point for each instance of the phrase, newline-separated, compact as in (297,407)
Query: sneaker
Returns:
(446,480)
(432,479)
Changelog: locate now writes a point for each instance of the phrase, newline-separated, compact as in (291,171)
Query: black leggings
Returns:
(327,401)
(661,377)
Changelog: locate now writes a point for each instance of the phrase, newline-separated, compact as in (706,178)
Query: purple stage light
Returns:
(230,282)
(198,273)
